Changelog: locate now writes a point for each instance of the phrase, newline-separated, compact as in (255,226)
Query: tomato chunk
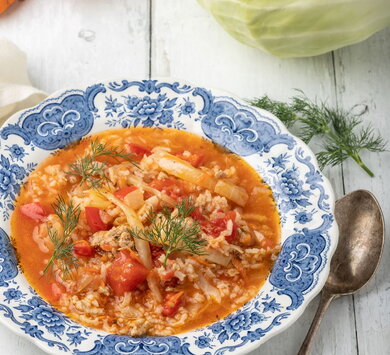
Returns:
(197,215)
(83,248)
(216,226)
(138,150)
(94,220)
(171,186)
(34,211)
(125,273)
(194,159)
(172,302)
(123,192)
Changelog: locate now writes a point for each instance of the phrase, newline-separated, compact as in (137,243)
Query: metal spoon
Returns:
(357,255)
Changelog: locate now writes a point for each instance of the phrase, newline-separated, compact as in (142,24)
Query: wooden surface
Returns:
(73,43)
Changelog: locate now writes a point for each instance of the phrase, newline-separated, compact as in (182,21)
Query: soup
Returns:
(145,231)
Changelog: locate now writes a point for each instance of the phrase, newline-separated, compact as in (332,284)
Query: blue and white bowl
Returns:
(304,198)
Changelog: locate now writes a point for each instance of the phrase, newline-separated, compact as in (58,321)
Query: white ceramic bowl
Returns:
(303,195)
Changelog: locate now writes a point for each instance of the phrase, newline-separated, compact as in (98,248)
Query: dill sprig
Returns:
(170,230)
(341,131)
(91,171)
(63,256)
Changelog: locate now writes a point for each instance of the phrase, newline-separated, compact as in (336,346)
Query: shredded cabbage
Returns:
(300,28)
(142,246)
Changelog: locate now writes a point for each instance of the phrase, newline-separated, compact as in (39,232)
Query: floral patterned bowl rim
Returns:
(303,195)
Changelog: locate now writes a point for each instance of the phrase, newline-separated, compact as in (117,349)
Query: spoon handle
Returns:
(325,300)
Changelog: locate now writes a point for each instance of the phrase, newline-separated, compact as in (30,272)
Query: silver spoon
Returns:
(357,255)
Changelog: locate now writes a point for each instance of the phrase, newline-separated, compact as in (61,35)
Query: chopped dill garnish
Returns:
(342,133)
(170,230)
(91,171)
(63,256)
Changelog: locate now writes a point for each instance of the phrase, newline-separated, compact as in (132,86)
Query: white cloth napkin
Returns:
(16,91)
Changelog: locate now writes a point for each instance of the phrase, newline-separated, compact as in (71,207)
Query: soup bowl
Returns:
(303,196)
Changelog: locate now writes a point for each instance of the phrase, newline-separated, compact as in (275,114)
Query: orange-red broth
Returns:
(33,261)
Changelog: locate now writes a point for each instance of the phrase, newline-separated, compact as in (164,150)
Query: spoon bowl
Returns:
(361,238)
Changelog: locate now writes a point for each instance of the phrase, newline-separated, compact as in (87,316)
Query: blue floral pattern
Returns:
(302,195)
(304,217)
(13,294)
(8,263)
(236,127)
(11,176)
(302,255)
(57,123)
(17,152)
(187,108)
(204,341)
(143,111)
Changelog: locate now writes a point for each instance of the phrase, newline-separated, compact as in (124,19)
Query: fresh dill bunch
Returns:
(280,109)
(170,230)
(100,149)
(63,256)
(68,214)
(91,171)
(342,133)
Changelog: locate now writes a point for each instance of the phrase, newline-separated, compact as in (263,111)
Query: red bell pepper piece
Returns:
(83,248)
(125,273)
(94,220)
(172,303)
(194,159)
(138,150)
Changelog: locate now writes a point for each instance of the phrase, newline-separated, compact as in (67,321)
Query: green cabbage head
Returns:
(300,28)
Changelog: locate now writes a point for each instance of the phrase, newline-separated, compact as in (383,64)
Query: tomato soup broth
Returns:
(145,231)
